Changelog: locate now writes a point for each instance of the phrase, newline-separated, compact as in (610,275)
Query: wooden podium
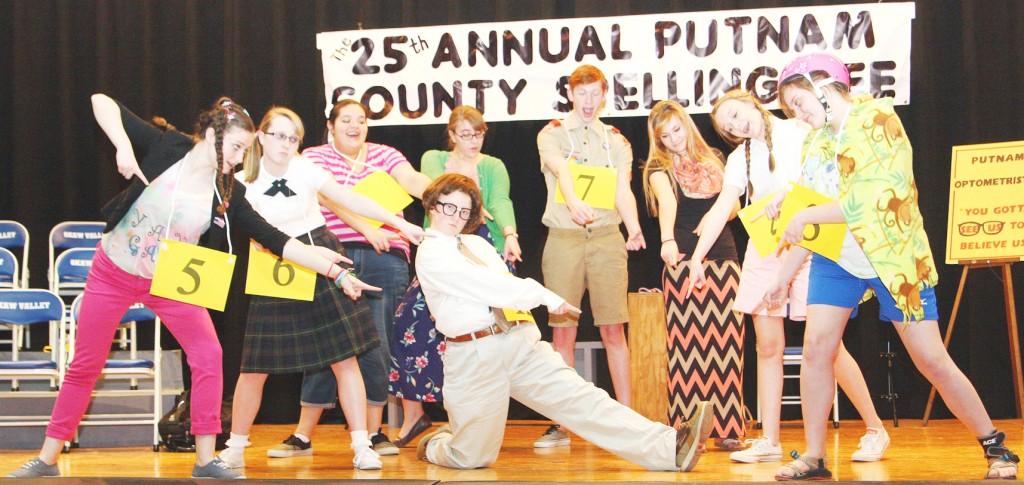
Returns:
(648,355)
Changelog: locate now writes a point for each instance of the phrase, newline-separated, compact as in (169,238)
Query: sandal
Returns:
(999,456)
(729,444)
(815,469)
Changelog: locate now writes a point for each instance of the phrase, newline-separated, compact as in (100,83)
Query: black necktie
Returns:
(279,187)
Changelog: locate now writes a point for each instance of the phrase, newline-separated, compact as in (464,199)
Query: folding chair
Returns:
(70,236)
(131,369)
(792,357)
(21,308)
(13,237)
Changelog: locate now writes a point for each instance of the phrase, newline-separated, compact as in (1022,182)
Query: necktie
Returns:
(499,314)
(279,187)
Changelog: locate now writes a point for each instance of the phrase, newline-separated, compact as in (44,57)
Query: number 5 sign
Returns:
(594,185)
(269,275)
(192,274)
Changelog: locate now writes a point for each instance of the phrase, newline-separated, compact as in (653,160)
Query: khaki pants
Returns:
(481,375)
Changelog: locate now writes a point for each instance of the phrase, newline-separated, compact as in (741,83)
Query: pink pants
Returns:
(109,291)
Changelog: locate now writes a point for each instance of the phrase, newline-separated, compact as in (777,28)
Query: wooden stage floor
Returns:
(944,450)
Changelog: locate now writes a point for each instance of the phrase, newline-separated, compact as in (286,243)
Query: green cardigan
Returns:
(494,185)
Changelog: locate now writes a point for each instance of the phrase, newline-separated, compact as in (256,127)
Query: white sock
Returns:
(360,439)
(304,438)
(238,441)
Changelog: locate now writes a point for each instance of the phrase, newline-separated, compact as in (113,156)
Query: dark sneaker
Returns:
(382,445)
(421,447)
(293,446)
(35,468)
(216,469)
(553,437)
(691,436)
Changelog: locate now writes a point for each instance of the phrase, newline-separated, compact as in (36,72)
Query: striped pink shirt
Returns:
(378,157)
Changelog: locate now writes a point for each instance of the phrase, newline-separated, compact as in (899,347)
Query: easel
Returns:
(1011,322)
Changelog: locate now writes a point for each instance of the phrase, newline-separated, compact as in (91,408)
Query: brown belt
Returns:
(487,332)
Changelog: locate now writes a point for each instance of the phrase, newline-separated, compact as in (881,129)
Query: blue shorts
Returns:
(830,284)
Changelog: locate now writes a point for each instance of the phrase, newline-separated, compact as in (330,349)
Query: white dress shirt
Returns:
(461,293)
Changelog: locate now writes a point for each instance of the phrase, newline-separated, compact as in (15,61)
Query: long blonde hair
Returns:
(766,118)
(251,165)
(658,157)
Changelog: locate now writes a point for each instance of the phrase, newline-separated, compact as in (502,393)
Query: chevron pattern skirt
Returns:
(705,346)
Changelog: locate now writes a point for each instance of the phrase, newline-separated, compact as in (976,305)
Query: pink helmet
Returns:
(819,61)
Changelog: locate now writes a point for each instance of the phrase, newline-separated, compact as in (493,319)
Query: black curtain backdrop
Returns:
(174,57)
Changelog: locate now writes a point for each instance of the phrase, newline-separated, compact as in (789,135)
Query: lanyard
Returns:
(174,197)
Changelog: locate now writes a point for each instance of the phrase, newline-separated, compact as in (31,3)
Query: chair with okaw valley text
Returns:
(21,308)
(131,369)
(13,264)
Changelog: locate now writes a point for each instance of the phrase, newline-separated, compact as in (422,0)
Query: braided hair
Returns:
(766,117)
(224,115)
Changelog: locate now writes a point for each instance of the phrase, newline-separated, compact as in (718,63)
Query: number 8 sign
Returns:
(269,275)
(193,274)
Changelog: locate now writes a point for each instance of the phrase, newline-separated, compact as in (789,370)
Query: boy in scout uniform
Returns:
(585,249)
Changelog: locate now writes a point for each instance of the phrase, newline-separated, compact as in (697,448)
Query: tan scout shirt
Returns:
(597,145)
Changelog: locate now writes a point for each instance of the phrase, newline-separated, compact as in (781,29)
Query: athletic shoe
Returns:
(382,445)
(691,436)
(293,446)
(761,450)
(216,469)
(366,459)
(36,467)
(872,445)
(553,437)
(233,457)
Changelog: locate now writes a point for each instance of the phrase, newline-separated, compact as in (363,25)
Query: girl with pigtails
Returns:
(174,178)
(857,153)
(766,159)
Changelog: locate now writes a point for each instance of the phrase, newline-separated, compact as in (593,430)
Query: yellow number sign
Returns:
(192,274)
(824,239)
(518,315)
(765,233)
(269,275)
(385,191)
(594,185)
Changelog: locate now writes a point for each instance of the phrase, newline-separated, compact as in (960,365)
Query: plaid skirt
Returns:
(284,336)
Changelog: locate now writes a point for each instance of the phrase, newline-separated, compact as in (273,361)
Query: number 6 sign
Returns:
(192,274)
(269,275)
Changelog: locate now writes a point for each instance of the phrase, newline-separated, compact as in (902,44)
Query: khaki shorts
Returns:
(591,259)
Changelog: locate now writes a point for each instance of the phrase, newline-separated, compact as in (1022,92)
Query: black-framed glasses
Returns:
(476,135)
(281,137)
(449,209)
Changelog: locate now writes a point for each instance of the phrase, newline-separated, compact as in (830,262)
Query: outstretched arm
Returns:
(108,116)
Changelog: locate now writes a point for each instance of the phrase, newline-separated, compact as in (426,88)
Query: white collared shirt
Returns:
(461,293)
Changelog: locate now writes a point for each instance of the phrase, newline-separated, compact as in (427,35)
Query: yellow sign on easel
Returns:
(594,185)
(986,210)
(270,275)
(192,274)
(824,239)
(384,190)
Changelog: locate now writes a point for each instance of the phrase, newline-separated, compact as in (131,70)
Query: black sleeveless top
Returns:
(689,212)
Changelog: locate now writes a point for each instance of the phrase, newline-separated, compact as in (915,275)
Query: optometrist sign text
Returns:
(986,209)
(519,70)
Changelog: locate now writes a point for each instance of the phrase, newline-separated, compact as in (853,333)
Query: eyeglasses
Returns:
(974,228)
(281,137)
(479,135)
(450,210)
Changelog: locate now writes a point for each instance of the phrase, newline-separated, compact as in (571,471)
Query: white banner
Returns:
(519,70)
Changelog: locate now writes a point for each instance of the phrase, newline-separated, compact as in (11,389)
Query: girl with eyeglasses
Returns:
(417,375)
(381,257)
(181,189)
(332,330)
